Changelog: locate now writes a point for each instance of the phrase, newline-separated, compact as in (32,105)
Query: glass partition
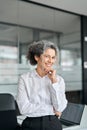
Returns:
(28,22)
(8,58)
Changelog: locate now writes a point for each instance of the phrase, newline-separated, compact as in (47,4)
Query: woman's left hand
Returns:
(57,113)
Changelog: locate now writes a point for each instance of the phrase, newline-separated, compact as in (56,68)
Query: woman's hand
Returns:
(57,113)
(52,75)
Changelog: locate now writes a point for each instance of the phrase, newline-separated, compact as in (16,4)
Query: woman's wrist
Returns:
(54,80)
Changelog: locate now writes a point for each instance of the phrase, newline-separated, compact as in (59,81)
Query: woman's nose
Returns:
(50,59)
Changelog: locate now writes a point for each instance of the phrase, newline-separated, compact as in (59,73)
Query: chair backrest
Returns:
(8,120)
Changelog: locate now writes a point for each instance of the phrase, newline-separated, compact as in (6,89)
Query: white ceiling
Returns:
(23,13)
(19,12)
(75,6)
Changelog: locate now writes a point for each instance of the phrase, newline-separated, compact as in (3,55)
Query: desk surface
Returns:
(20,119)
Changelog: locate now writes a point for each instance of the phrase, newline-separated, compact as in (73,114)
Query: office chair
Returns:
(8,119)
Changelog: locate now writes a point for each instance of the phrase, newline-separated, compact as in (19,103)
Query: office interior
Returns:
(24,21)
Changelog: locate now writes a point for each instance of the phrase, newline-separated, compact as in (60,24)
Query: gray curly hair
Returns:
(38,48)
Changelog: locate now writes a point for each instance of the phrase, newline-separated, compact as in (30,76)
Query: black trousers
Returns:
(50,122)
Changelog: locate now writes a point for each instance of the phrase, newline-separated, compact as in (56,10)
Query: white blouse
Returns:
(37,96)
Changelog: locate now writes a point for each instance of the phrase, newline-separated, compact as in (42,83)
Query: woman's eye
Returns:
(53,57)
(47,56)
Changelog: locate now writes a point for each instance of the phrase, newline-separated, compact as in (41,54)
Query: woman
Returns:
(41,93)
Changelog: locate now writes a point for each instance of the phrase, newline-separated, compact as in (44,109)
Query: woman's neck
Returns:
(40,72)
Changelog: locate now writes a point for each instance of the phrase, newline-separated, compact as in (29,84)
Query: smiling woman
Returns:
(41,92)
(43,53)
(62,28)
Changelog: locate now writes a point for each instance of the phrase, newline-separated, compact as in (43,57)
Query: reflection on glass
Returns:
(8,54)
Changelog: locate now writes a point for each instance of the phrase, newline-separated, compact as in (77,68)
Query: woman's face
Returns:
(46,60)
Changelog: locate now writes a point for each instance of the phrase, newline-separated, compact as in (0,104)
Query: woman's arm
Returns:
(23,101)
(58,96)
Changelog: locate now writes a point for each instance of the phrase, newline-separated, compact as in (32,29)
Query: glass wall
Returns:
(21,23)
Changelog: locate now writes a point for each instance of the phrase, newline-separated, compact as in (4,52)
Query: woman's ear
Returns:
(36,58)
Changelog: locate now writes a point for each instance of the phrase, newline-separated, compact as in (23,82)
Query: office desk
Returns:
(20,119)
